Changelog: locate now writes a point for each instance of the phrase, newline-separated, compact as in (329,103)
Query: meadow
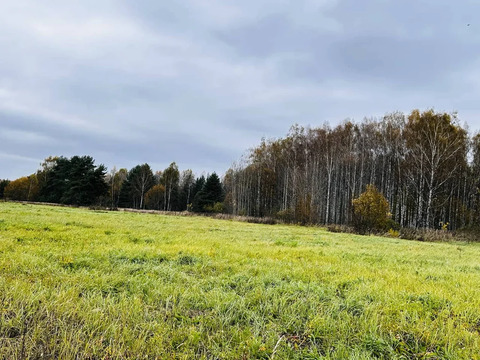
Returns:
(82,284)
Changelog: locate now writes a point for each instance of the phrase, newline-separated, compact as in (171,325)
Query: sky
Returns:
(200,82)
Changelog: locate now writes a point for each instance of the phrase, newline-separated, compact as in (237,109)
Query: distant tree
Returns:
(55,181)
(24,188)
(170,179)
(229,189)
(437,147)
(421,163)
(17,189)
(75,181)
(154,197)
(44,172)
(210,194)
(187,183)
(3,185)
(213,188)
(475,180)
(157,177)
(198,185)
(115,181)
(139,180)
(109,178)
(371,211)
(199,202)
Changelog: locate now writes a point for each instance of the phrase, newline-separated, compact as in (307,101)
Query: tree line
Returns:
(78,181)
(425,164)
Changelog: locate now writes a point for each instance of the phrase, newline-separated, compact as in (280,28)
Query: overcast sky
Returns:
(201,81)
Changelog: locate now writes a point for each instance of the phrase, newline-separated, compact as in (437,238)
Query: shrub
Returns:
(335,228)
(250,219)
(427,235)
(371,211)
(214,208)
(392,224)
(393,233)
(409,234)
(218,207)
(261,220)
(286,215)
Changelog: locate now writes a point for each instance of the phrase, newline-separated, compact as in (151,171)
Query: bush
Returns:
(410,234)
(335,228)
(392,224)
(393,233)
(215,208)
(287,216)
(371,212)
(427,235)
(261,220)
(249,219)
(218,207)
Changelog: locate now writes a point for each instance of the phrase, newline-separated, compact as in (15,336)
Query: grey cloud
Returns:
(35,139)
(268,36)
(415,43)
(400,63)
(200,82)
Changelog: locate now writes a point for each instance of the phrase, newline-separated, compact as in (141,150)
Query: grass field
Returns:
(111,285)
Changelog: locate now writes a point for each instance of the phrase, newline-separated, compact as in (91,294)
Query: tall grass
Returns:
(79,284)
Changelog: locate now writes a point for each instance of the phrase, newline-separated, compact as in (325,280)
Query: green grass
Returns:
(111,285)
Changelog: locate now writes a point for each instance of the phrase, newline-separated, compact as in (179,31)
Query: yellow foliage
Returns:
(24,188)
(393,233)
(371,210)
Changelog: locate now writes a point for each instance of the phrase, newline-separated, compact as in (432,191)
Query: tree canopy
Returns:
(425,164)
(210,194)
(75,181)
(138,182)
(25,188)
(420,163)
(3,185)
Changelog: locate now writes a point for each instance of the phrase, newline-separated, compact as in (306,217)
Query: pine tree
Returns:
(210,194)
(74,181)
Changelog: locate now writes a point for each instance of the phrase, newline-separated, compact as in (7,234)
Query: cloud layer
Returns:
(199,82)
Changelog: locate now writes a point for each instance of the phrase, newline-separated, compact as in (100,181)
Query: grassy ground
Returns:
(94,285)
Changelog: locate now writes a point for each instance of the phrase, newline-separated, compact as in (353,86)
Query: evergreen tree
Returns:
(197,187)
(210,194)
(75,181)
(3,185)
(213,189)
